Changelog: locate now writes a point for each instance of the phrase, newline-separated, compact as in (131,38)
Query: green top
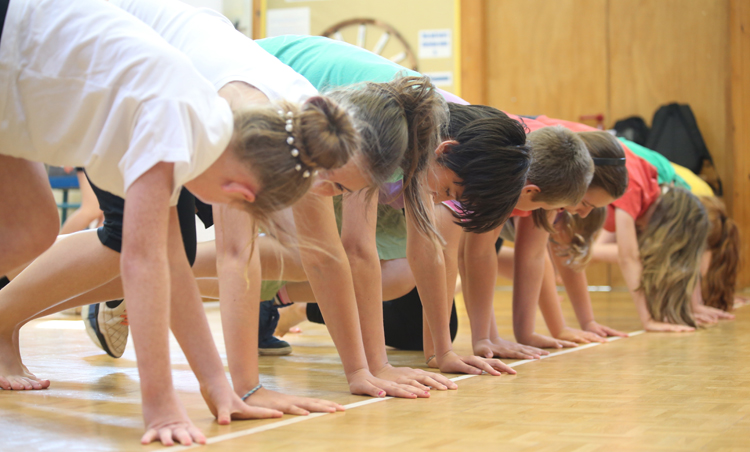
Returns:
(327,63)
(667,174)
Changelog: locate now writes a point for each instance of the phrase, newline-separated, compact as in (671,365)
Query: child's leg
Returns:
(205,260)
(29,220)
(398,279)
(68,268)
(505,262)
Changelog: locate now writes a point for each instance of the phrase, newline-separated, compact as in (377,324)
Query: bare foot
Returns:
(289,317)
(13,374)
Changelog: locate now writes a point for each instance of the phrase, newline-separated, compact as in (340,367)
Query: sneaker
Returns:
(268,345)
(107,326)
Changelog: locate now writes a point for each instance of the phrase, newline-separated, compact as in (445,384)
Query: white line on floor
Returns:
(294,420)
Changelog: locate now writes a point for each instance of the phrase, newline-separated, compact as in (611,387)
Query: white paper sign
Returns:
(435,43)
(288,21)
(440,78)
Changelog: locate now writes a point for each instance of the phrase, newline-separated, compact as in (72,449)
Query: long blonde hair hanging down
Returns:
(671,248)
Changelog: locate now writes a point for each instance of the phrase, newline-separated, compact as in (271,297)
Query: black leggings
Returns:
(402,321)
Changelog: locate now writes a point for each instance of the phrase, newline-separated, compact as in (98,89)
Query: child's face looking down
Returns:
(595,197)
(347,179)
(443,184)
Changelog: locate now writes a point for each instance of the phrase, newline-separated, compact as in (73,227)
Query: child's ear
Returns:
(531,189)
(445,146)
(236,187)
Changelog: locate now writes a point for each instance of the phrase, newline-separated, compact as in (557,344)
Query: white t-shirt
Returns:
(219,52)
(86,85)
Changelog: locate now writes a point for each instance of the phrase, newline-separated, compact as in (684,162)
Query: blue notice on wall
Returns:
(435,43)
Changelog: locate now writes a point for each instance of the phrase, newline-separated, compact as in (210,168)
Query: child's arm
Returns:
(239,287)
(629,258)
(576,286)
(549,304)
(358,235)
(528,273)
(190,328)
(328,269)
(604,248)
(426,261)
(706,315)
(145,275)
(479,268)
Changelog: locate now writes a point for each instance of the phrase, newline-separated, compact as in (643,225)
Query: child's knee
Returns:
(42,237)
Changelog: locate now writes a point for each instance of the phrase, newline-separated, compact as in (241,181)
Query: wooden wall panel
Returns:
(739,131)
(474,51)
(547,57)
(673,50)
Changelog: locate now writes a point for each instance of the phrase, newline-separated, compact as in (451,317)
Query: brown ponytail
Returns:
(719,283)
(426,114)
(321,137)
(399,124)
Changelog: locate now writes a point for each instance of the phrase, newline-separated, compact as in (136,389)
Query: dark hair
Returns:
(611,178)
(491,159)
(399,123)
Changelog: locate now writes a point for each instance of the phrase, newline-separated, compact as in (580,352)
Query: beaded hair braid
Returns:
(290,141)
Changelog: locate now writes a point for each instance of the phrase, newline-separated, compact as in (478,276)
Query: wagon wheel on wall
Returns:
(355,31)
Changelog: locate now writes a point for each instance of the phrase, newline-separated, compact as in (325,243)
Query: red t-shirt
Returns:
(574,126)
(643,190)
(531,124)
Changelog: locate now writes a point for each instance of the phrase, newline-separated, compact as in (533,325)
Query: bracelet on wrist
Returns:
(429,359)
(251,392)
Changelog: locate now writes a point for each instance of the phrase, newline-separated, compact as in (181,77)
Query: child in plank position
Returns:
(720,262)
(384,144)
(157,126)
(571,241)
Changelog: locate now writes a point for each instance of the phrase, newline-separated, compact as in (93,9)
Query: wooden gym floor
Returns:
(650,392)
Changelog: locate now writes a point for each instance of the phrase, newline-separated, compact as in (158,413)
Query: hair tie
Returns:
(608,162)
(289,127)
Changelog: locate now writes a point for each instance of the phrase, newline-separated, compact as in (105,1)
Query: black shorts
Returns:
(110,233)
(205,213)
(3,12)
(402,321)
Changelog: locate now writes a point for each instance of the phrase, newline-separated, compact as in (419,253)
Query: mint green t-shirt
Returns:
(319,60)
(667,174)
